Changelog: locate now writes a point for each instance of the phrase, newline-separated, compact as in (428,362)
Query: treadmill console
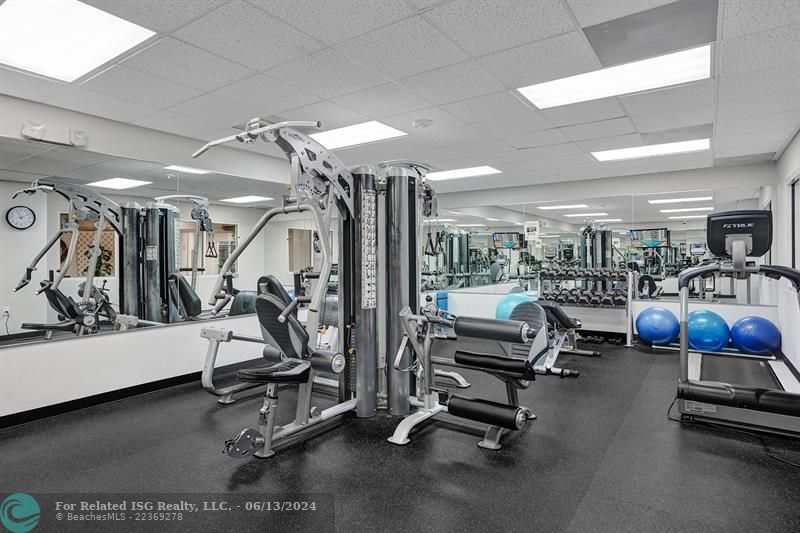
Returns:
(753,228)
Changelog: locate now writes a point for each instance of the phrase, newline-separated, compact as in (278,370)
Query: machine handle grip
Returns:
(292,306)
(777,271)
(688,275)
(252,134)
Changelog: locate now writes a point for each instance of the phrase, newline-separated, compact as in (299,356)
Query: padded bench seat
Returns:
(289,371)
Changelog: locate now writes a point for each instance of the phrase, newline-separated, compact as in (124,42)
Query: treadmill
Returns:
(733,389)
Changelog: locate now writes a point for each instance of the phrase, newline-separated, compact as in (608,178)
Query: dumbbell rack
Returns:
(612,317)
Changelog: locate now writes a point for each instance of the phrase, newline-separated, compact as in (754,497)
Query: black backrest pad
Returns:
(269,284)
(557,316)
(530,313)
(268,308)
(60,303)
(190,301)
(244,303)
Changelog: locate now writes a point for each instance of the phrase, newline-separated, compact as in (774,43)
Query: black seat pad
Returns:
(289,371)
(244,303)
(557,316)
(60,302)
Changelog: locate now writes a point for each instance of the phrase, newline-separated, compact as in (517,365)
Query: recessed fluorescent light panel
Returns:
(63,39)
(363,133)
(247,199)
(188,170)
(462,173)
(493,219)
(434,220)
(637,152)
(608,220)
(687,216)
(572,206)
(653,73)
(587,215)
(686,209)
(680,200)
(470,225)
(119,183)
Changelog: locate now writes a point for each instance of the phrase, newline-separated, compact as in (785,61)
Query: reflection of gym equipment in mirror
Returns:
(85,208)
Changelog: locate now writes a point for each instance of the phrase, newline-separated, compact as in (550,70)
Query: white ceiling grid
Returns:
(218,63)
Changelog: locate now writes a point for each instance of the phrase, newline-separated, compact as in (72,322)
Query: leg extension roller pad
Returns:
(486,411)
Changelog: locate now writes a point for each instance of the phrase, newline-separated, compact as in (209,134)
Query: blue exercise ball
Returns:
(756,335)
(507,304)
(657,325)
(708,331)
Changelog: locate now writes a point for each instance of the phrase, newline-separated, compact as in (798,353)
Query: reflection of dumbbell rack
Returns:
(596,286)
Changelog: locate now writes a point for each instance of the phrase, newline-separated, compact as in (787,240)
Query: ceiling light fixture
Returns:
(587,215)
(493,219)
(363,133)
(188,170)
(644,75)
(686,217)
(680,200)
(119,183)
(247,199)
(637,152)
(63,40)
(462,173)
(608,220)
(434,220)
(686,209)
(572,206)
(471,225)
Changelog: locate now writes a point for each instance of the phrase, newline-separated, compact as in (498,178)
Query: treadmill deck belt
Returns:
(738,371)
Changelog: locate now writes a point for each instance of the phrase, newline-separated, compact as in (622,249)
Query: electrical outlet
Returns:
(6,311)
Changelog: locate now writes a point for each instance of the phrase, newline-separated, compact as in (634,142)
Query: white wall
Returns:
(788,168)
(16,251)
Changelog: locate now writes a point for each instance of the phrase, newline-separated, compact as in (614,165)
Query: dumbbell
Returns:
(620,299)
(596,298)
(607,299)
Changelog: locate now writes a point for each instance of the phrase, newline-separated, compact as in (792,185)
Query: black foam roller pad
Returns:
(488,412)
(488,328)
(767,400)
(490,362)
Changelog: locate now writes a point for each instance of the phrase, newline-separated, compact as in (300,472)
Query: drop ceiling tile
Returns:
(671,163)
(751,143)
(484,26)
(453,136)
(178,124)
(333,21)
(101,105)
(485,147)
(403,49)
(265,93)
(440,119)
(217,110)
(398,148)
(522,123)
(156,14)
(767,48)
(424,4)
(645,165)
(491,106)
(382,101)
(326,73)
(759,105)
(759,82)
(536,138)
(591,12)
(581,112)
(596,130)
(680,97)
(773,121)
(740,17)
(330,114)
(58,161)
(677,118)
(116,167)
(247,35)
(451,83)
(26,86)
(611,143)
(173,60)
(549,152)
(12,150)
(139,87)
(549,59)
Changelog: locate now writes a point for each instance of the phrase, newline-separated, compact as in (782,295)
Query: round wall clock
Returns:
(20,217)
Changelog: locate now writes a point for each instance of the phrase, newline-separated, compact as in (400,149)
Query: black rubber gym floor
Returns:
(602,456)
